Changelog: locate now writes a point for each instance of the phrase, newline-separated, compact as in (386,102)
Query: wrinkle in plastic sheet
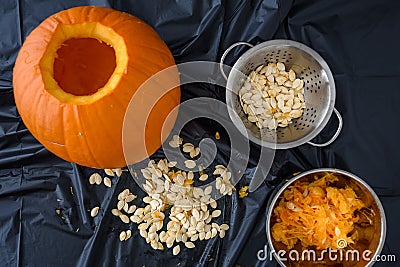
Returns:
(45,202)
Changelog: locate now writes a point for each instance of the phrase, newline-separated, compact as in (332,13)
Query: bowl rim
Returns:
(281,43)
(284,186)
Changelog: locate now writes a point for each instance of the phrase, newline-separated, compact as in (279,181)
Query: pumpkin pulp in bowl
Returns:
(326,218)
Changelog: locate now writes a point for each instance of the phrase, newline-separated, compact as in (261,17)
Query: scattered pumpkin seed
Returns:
(128,234)
(224,227)
(189,244)
(116,212)
(131,209)
(94,211)
(130,198)
(190,164)
(208,191)
(120,204)
(122,236)
(175,142)
(195,152)
(203,177)
(176,250)
(118,172)
(126,207)
(222,233)
(188,147)
(107,182)
(124,218)
(109,172)
(216,213)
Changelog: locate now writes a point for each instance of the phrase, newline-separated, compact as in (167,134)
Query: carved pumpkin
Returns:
(75,76)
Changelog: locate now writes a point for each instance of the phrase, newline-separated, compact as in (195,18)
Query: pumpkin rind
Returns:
(89,131)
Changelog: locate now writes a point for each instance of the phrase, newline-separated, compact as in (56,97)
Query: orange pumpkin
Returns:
(75,76)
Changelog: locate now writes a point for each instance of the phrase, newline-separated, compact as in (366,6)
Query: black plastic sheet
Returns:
(358,39)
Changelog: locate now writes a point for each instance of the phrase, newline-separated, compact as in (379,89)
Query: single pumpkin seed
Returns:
(172,164)
(280,66)
(208,191)
(188,147)
(202,235)
(130,198)
(190,164)
(296,83)
(189,244)
(94,211)
(222,189)
(194,237)
(98,179)
(203,177)
(154,244)
(214,232)
(224,227)
(292,75)
(126,207)
(124,218)
(128,234)
(222,233)
(107,182)
(135,219)
(218,183)
(196,214)
(120,204)
(213,203)
(208,235)
(116,212)
(118,172)
(195,152)
(176,250)
(122,236)
(109,172)
(173,144)
(143,233)
(203,207)
(216,213)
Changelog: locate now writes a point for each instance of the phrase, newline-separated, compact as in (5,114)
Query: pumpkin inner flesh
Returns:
(90,30)
(83,65)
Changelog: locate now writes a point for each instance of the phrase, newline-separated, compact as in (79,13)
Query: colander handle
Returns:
(221,62)
(339,129)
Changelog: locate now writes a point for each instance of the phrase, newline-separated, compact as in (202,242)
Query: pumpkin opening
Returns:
(83,65)
(90,55)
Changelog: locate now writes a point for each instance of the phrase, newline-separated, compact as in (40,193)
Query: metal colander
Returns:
(319,92)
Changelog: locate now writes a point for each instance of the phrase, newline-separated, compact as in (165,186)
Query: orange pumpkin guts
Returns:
(75,75)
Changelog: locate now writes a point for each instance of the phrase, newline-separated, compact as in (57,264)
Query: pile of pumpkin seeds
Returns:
(272,97)
(191,209)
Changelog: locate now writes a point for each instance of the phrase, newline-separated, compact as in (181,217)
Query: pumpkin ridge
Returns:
(117,22)
(82,127)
